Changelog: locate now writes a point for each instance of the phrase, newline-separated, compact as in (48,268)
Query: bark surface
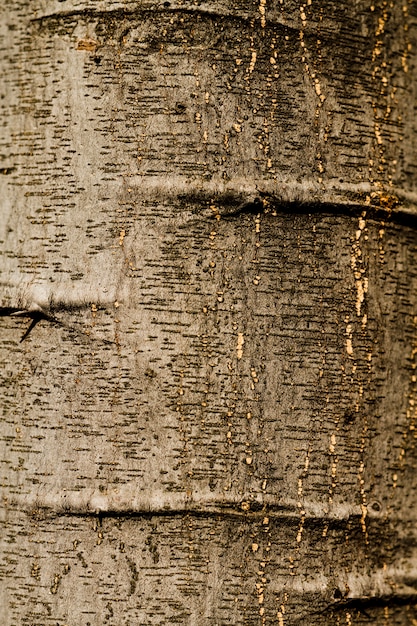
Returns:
(208,313)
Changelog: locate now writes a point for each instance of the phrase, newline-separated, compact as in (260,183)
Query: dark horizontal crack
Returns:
(254,207)
(5,311)
(37,316)
(256,512)
(232,208)
(365,603)
(129,13)
(165,8)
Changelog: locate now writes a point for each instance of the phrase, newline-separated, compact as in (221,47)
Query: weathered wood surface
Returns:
(210,212)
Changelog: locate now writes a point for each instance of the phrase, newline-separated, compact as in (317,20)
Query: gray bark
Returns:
(208,226)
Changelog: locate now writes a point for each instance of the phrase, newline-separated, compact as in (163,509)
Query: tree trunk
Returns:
(209,312)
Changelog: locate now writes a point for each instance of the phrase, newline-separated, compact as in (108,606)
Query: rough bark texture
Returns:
(209,226)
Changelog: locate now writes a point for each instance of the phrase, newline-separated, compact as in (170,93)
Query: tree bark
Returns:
(209,312)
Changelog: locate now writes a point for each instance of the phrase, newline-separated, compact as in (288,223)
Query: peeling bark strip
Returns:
(211,211)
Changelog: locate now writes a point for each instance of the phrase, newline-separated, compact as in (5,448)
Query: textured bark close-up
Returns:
(208,312)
